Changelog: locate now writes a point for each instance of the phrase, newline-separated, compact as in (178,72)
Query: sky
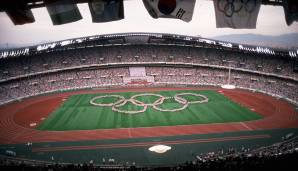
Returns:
(271,21)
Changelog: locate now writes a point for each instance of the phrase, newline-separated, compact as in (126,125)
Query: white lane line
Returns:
(247,127)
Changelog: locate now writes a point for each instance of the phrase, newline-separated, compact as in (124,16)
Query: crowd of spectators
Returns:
(61,81)
(72,79)
(284,153)
(213,76)
(279,156)
(15,81)
(43,62)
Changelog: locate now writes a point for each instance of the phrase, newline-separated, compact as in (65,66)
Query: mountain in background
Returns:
(285,41)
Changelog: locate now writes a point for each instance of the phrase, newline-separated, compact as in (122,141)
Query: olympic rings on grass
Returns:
(180,101)
(157,102)
(179,98)
(205,99)
(116,107)
(121,99)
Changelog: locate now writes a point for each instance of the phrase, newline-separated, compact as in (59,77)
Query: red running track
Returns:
(16,117)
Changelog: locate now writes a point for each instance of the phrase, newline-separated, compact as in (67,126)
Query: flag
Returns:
(237,14)
(179,9)
(20,14)
(63,11)
(106,10)
(291,11)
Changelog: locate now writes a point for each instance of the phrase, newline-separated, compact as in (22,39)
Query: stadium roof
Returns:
(144,39)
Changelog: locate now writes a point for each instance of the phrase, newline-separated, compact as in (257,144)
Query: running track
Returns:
(147,144)
(15,118)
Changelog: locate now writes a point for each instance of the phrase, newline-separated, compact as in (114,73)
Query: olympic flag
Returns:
(179,9)
(237,14)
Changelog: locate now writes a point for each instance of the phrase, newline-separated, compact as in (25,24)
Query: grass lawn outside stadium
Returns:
(77,113)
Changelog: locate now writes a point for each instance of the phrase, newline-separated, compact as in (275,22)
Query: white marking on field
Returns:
(160,148)
(32,124)
(246,126)
(42,119)
(252,109)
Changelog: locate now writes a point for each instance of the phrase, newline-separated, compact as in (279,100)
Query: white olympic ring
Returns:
(107,104)
(155,105)
(115,107)
(157,102)
(205,99)
(179,100)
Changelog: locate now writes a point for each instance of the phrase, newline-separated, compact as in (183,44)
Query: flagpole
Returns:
(229,78)
(229,75)
(229,86)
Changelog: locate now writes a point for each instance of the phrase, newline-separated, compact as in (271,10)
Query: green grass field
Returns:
(78,114)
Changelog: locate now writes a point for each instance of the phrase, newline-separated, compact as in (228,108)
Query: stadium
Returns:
(111,97)
(147,100)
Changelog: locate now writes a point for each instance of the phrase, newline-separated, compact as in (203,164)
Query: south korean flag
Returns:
(179,9)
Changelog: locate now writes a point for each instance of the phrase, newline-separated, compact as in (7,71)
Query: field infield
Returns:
(143,109)
(20,121)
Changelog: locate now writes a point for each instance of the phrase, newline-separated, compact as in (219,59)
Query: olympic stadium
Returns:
(109,98)
(149,100)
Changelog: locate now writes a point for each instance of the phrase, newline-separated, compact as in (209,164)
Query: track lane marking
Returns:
(144,144)
(246,126)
